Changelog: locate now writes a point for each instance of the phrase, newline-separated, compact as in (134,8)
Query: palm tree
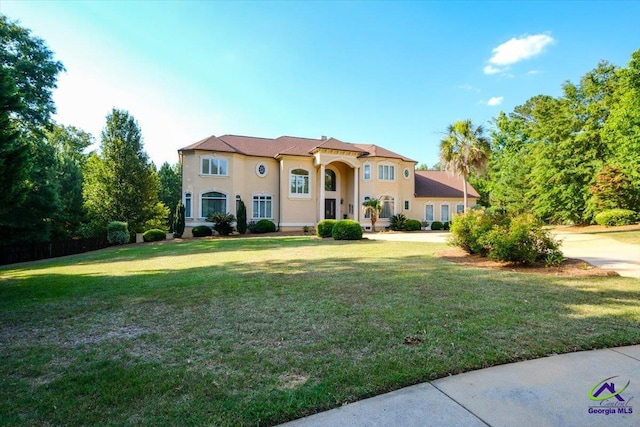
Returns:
(464,149)
(373,207)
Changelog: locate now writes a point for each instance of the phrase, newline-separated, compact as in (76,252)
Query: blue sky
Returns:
(395,74)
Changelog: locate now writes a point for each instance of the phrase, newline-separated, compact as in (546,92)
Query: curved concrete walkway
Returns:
(552,391)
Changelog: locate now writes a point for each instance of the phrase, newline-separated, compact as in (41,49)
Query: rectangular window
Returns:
(366,172)
(406,205)
(214,166)
(459,208)
(367,212)
(299,180)
(444,213)
(187,205)
(428,213)
(386,172)
(262,207)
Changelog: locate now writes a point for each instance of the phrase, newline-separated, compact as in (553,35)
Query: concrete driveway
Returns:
(604,252)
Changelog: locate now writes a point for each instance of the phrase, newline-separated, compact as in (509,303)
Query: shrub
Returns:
(265,226)
(251,226)
(437,225)
(468,229)
(118,233)
(202,231)
(412,225)
(347,229)
(222,223)
(424,224)
(325,227)
(179,223)
(241,214)
(616,217)
(154,235)
(446,225)
(523,241)
(397,222)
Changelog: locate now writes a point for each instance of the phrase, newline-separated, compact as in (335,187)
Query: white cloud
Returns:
(468,87)
(519,49)
(489,69)
(533,72)
(494,101)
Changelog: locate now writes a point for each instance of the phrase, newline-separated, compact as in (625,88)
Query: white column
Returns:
(321,201)
(356,196)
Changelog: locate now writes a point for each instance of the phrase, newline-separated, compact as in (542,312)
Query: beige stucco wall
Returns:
(293,211)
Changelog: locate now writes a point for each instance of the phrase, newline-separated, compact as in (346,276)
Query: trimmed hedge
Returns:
(616,217)
(201,231)
(118,233)
(346,229)
(264,226)
(437,225)
(412,225)
(154,235)
(325,227)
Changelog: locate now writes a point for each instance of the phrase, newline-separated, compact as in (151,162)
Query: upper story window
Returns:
(213,202)
(366,172)
(216,166)
(299,182)
(329,180)
(386,172)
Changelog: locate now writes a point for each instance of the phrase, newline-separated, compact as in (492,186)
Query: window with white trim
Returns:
(407,205)
(238,200)
(428,212)
(187,205)
(366,172)
(329,180)
(213,202)
(387,207)
(386,172)
(215,166)
(299,182)
(445,213)
(459,208)
(262,207)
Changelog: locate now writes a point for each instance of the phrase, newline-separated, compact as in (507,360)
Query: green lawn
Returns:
(260,331)
(624,236)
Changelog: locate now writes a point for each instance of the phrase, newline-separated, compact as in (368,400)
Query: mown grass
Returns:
(261,331)
(632,237)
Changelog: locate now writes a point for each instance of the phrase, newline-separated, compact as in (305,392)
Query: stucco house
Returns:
(297,182)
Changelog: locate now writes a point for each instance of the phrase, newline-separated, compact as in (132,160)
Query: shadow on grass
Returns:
(249,343)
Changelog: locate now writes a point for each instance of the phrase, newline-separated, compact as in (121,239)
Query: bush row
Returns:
(616,217)
(344,229)
(520,239)
(399,222)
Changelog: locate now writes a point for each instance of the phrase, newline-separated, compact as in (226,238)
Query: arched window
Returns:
(367,213)
(187,205)
(213,202)
(387,207)
(329,180)
(299,180)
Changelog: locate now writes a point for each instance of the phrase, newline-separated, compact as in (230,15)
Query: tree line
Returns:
(563,159)
(52,189)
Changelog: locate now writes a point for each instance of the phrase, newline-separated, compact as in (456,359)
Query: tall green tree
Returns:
(121,184)
(463,150)
(69,144)
(170,188)
(28,64)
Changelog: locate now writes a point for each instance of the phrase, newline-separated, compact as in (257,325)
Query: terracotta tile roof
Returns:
(210,144)
(376,151)
(441,184)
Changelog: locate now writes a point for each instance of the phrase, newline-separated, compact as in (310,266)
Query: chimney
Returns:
(323,138)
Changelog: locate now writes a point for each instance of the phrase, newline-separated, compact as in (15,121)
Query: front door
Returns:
(329,208)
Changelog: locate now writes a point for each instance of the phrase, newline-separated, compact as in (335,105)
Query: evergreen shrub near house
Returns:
(222,223)
(118,233)
(179,220)
(397,222)
(241,215)
(251,226)
(325,227)
(265,226)
(201,231)
(412,225)
(616,217)
(437,225)
(154,235)
(346,229)
(469,229)
(446,225)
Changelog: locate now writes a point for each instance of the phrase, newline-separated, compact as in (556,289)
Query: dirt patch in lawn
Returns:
(571,267)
